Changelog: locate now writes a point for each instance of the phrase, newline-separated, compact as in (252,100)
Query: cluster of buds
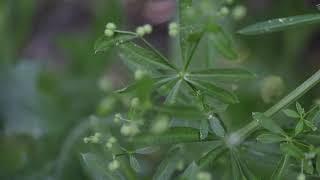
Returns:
(114,165)
(93,139)
(143,30)
(110,28)
(173,29)
(110,142)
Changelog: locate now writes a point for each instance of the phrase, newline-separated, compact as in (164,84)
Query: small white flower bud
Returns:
(239,12)
(86,140)
(272,88)
(140,31)
(105,84)
(147,29)
(129,129)
(224,11)
(160,125)
(203,176)
(114,165)
(173,32)
(117,118)
(135,102)
(301,176)
(108,33)
(173,25)
(112,139)
(111,26)
(139,74)
(108,145)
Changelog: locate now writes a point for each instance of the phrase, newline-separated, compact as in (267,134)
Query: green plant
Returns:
(175,104)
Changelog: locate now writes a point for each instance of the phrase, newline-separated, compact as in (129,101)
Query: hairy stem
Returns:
(244,132)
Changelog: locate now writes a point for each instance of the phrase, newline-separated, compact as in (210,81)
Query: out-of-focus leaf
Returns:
(212,155)
(280,24)
(216,126)
(171,98)
(221,41)
(134,163)
(291,150)
(311,125)
(105,43)
(168,165)
(291,113)
(146,150)
(216,92)
(222,74)
(270,138)
(181,111)
(267,123)
(281,168)
(308,166)
(144,57)
(171,136)
(240,168)
(191,172)
(318,162)
(97,168)
(204,129)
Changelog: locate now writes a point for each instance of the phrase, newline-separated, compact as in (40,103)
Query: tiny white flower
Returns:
(111,26)
(108,32)
(114,165)
(239,12)
(147,28)
(140,31)
(203,176)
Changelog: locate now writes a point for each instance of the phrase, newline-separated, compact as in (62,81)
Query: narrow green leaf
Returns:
(220,40)
(299,127)
(318,162)
(311,125)
(280,24)
(144,57)
(267,123)
(171,136)
(212,155)
(191,172)
(291,150)
(105,43)
(204,129)
(308,166)
(300,109)
(270,138)
(171,98)
(242,168)
(146,150)
(97,168)
(184,21)
(279,172)
(291,113)
(216,92)
(222,74)
(168,165)
(134,163)
(216,126)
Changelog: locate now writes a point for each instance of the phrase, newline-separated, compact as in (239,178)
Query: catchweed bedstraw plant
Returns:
(176,107)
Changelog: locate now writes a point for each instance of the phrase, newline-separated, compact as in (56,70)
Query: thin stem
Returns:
(244,132)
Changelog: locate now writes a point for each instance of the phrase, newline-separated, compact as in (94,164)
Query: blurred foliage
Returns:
(44,112)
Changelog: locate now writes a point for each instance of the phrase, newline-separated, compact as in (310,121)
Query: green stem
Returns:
(244,132)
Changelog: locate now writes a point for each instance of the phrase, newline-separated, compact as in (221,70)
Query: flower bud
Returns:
(86,140)
(114,165)
(105,84)
(111,26)
(108,145)
(112,139)
(135,102)
(139,74)
(147,28)
(239,12)
(160,125)
(108,32)
(301,176)
(272,88)
(129,129)
(140,31)
(117,118)
(224,11)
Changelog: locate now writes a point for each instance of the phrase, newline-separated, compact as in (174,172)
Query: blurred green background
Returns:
(49,72)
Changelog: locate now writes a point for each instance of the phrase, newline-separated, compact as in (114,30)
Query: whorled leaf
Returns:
(291,113)
(172,96)
(240,168)
(168,165)
(134,163)
(217,127)
(105,43)
(190,172)
(171,136)
(280,24)
(222,74)
(214,91)
(267,123)
(291,150)
(282,166)
(220,40)
(143,57)
(270,138)
(204,129)
(212,155)
(146,150)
